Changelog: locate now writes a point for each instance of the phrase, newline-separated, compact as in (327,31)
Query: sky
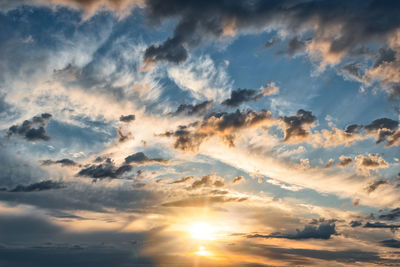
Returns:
(199,133)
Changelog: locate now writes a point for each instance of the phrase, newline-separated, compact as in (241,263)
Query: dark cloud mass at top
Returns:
(358,22)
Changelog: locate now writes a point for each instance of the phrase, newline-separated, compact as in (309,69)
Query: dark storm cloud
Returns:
(40,186)
(193,109)
(32,130)
(106,169)
(323,231)
(392,215)
(140,158)
(294,125)
(240,96)
(225,125)
(374,185)
(127,118)
(62,162)
(360,22)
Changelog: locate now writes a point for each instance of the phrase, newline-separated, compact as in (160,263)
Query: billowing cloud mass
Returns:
(32,130)
(206,133)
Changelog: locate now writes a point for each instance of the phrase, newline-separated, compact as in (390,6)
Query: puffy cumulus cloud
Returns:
(40,186)
(371,162)
(323,231)
(32,130)
(344,161)
(193,109)
(335,33)
(225,125)
(140,158)
(295,127)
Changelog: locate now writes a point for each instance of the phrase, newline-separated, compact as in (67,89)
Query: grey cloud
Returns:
(355,223)
(295,124)
(182,180)
(106,169)
(391,243)
(294,46)
(40,186)
(32,130)
(374,185)
(193,109)
(140,158)
(208,181)
(381,225)
(384,55)
(62,162)
(240,96)
(127,118)
(323,231)
(392,215)
(272,42)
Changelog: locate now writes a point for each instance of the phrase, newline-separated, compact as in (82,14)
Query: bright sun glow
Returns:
(202,230)
(203,252)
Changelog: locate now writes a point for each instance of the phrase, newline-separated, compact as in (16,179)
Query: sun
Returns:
(202,231)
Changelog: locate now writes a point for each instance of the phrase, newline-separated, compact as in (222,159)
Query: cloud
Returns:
(391,243)
(392,215)
(127,118)
(380,225)
(295,46)
(62,162)
(40,186)
(365,164)
(208,181)
(182,180)
(240,96)
(193,109)
(107,169)
(355,223)
(238,180)
(344,161)
(295,126)
(140,158)
(32,130)
(225,125)
(323,231)
(374,185)
(335,33)
(203,201)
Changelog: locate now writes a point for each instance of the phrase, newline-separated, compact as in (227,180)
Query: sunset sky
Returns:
(199,133)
